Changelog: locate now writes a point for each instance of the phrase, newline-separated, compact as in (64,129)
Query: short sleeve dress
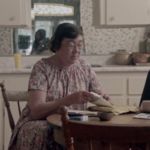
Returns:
(30,134)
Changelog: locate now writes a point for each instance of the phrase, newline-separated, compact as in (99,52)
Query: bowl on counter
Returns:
(122,57)
(140,57)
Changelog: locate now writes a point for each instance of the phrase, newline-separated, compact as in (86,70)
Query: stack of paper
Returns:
(142,116)
(81,113)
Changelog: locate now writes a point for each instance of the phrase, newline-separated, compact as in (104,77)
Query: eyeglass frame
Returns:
(73,47)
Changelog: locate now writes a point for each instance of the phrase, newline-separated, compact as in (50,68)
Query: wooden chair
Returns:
(14,96)
(108,137)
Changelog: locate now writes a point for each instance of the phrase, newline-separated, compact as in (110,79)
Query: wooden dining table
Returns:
(140,128)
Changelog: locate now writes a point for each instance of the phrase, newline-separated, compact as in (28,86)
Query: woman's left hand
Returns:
(107,98)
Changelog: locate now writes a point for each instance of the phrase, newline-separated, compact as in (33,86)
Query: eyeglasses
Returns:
(73,46)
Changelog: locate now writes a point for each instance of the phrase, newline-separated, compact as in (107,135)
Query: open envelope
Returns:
(100,101)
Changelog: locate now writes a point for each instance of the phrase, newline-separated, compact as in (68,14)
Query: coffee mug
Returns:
(145,106)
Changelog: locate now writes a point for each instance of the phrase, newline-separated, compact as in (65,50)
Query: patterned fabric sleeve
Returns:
(38,79)
(94,84)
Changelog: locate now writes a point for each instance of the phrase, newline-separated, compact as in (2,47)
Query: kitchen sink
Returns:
(29,67)
(96,65)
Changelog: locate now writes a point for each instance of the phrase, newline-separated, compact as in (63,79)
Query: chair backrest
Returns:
(16,96)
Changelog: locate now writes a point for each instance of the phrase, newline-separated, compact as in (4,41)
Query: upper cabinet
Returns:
(121,13)
(15,13)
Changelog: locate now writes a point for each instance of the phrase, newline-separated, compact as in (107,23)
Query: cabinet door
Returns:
(121,13)
(127,12)
(136,85)
(113,85)
(15,13)
(7,130)
(25,20)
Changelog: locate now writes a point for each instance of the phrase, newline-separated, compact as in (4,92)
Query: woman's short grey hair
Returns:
(64,30)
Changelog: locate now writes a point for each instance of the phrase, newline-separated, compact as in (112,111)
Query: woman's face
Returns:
(70,50)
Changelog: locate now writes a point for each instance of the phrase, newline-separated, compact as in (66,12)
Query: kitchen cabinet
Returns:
(15,13)
(124,88)
(121,13)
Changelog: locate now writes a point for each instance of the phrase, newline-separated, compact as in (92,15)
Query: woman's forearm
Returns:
(40,109)
(44,109)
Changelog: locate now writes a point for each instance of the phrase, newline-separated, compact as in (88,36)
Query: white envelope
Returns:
(100,101)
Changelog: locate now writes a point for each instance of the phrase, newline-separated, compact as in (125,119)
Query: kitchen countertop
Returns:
(7,65)
(109,68)
(121,68)
(14,70)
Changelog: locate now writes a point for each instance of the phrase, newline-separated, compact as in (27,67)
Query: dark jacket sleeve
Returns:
(146,90)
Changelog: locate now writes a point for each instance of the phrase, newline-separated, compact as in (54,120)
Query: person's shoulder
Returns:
(84,63)
(39,62)
(43,62)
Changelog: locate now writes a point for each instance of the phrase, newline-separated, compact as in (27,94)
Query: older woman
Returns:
(62,79)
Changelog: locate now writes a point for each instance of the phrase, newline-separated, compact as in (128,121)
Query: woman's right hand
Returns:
(80,97)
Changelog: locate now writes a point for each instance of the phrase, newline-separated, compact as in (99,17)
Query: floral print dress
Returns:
(30,134)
